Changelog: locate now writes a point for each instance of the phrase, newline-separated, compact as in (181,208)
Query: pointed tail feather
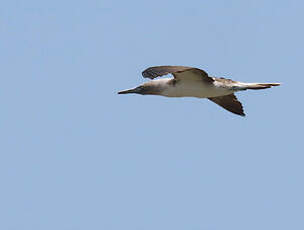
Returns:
(259,85)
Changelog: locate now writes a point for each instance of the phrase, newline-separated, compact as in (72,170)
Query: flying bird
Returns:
(194,82)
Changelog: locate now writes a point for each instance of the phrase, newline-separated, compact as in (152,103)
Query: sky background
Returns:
(75,155)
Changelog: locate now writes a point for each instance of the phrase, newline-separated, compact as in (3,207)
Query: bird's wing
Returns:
(179,72)
(225,81)
(230,103)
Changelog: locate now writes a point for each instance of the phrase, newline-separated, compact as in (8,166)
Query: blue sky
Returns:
(75,155)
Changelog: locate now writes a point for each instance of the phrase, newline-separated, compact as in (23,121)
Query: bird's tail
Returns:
(245,86)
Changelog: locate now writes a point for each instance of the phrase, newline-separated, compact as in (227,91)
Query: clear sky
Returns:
(75,155)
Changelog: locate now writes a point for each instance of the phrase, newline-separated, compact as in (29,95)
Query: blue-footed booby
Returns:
(194,82)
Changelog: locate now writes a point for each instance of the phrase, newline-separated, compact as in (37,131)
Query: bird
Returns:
(195,82)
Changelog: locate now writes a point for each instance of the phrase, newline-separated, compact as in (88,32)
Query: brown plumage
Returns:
(229,102)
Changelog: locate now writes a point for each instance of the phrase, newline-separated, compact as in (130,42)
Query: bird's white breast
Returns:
(192,88)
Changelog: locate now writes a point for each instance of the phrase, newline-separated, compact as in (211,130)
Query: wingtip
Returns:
(242,114)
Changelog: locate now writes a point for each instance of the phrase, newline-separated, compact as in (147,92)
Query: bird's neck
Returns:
(159,86)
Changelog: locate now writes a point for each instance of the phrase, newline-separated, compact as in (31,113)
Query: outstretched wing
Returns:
(179,72)
(230,103)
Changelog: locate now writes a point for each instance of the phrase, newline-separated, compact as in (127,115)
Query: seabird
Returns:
(194,82)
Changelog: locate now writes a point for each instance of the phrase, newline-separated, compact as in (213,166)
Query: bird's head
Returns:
(147,88)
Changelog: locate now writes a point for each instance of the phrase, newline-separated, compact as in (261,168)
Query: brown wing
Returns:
(230,103)
(179,72)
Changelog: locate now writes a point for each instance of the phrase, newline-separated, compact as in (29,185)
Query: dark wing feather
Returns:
(178,72)
(230,103)
(158,71)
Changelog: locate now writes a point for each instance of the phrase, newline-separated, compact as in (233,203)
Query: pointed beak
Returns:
(135,90)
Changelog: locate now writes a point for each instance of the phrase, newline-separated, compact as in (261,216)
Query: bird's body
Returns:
(193,82)
(189,88)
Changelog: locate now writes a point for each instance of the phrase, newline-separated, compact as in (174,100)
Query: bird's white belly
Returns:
(195,89)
